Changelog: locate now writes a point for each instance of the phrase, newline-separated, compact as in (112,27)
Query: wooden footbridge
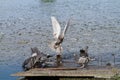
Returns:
(69,72)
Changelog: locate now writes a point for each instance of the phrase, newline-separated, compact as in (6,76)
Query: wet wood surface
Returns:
(69,72)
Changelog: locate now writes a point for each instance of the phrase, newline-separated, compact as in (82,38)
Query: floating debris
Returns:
(46,1)
(23,42)
(1,36)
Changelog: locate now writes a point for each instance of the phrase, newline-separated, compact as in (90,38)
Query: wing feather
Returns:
(56,27)
(65,28)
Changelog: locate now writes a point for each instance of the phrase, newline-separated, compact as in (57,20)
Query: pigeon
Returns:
(58,35)
(37,60)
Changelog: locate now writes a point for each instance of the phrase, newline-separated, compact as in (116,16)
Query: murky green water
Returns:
(26,23)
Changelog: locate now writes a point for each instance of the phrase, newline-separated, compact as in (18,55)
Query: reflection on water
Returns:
(26,23)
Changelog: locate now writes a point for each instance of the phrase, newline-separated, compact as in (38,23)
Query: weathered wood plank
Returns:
(69,72)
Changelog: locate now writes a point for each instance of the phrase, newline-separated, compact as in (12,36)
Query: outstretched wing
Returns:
(56,27)
(65,28)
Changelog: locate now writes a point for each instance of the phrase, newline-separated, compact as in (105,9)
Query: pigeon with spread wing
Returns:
(58,35)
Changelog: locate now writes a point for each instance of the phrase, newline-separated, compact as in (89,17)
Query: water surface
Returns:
(26,23)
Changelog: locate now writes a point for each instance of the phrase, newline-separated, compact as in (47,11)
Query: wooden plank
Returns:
(64,72)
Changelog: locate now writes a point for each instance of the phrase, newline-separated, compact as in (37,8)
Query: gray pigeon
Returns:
(37,60)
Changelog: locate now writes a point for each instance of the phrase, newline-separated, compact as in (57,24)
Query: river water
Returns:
(26,23)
